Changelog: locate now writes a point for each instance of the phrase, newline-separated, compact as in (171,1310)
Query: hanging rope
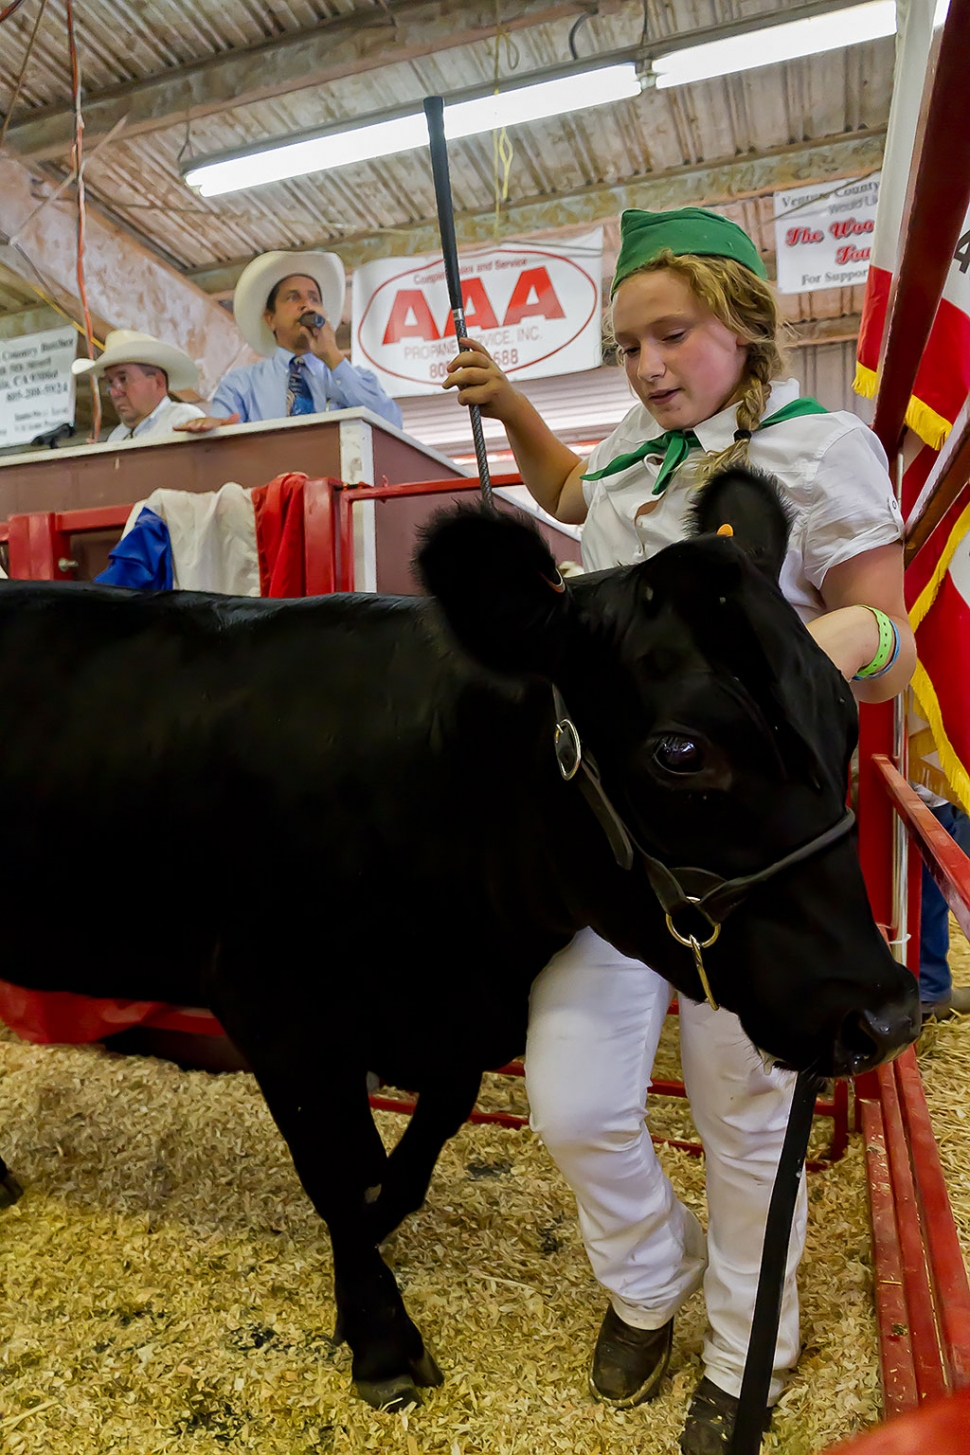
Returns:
(44,291)
(78,158)
(23,71)
(502,151)
(67,181)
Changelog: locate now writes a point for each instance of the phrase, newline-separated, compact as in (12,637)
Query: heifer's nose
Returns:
(866,1038)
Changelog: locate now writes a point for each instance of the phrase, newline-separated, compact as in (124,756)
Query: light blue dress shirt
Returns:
(258,391)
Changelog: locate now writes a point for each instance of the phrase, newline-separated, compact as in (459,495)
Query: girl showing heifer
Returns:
(698,328)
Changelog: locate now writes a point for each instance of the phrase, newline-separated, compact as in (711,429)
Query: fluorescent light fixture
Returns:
(786,42)
(547,98)
(319,154)
(323,153)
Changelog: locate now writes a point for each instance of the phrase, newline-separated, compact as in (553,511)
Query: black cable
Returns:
(572,35)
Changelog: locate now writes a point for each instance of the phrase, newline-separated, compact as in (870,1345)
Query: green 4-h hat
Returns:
(687,230)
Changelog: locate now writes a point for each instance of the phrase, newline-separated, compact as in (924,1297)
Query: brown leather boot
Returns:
(628,1364)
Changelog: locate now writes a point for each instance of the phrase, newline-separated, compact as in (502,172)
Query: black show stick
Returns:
(434,110)
(759,1362)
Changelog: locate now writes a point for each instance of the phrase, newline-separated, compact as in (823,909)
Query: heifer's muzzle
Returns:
(677,890)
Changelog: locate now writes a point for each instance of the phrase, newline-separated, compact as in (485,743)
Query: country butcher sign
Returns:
(36,384)
(535,308)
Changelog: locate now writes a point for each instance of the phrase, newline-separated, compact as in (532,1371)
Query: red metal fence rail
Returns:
(948,864)
(939,1428)
(348,496)
(922,1291)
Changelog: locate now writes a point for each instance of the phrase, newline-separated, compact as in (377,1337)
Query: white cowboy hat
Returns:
(127,346)
(258,279)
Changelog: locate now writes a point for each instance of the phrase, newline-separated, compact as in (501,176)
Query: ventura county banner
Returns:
(823,236)
(535,308)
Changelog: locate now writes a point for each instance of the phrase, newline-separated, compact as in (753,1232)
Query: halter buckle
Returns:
(692,939)
(569,751)
(696,946)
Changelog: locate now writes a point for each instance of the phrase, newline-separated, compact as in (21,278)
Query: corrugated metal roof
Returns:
(119,41)
(823,96)
(658,131)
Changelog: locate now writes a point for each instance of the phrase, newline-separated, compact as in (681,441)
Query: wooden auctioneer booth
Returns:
(61,511)
(70,504)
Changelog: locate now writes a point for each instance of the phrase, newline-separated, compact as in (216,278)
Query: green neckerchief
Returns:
(676,444)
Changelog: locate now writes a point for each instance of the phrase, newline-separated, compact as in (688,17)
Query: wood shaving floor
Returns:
(166,1284)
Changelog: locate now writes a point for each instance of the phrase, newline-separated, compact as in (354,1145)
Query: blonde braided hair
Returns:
(746,305)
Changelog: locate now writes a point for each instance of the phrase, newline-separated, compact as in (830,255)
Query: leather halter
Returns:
(708,893)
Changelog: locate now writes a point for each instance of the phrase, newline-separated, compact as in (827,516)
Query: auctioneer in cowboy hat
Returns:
(260,277)
(127,346)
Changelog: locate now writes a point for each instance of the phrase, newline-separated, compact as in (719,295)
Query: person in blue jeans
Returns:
(938,995)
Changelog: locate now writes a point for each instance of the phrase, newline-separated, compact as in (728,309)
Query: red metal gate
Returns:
(921,1287)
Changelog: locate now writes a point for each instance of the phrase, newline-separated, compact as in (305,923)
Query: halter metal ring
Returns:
(691,940)
(569,752)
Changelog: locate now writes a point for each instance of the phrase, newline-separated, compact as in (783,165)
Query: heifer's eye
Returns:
(678,754)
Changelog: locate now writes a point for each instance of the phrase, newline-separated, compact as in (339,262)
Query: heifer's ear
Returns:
(499,587)
(749,501)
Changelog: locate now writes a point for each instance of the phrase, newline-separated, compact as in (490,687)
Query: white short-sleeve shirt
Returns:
(161,422)
(831,468)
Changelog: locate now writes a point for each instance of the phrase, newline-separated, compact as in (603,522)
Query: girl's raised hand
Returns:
(479,380)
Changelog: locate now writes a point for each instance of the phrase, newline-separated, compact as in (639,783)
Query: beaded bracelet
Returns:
(886,652)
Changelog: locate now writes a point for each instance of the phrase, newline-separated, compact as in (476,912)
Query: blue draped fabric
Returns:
(143,558)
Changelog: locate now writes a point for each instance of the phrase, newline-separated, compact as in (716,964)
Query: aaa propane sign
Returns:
(536,309)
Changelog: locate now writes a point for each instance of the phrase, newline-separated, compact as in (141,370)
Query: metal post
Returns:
(900,891)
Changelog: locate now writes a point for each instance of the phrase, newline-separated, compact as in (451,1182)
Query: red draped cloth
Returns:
(279,536)
(60,1016)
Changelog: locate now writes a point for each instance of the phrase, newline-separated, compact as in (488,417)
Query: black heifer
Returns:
(370,849)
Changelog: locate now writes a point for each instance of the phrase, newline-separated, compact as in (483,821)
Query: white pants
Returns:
(594,1025)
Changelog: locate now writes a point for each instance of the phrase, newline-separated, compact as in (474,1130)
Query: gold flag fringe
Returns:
(929,705)
(931,427)
(925,692)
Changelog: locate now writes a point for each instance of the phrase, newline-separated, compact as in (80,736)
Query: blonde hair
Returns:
(746,305)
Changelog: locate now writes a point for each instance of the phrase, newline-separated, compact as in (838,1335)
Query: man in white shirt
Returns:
(139,371)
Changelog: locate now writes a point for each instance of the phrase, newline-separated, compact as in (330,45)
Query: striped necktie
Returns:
(675,445)
(299,400)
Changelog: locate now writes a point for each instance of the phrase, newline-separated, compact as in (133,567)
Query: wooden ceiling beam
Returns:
(16,323)
(347,46)
(710,184)
(127,286)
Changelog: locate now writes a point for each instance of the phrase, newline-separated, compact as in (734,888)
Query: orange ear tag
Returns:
(558,585)
(725,530)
